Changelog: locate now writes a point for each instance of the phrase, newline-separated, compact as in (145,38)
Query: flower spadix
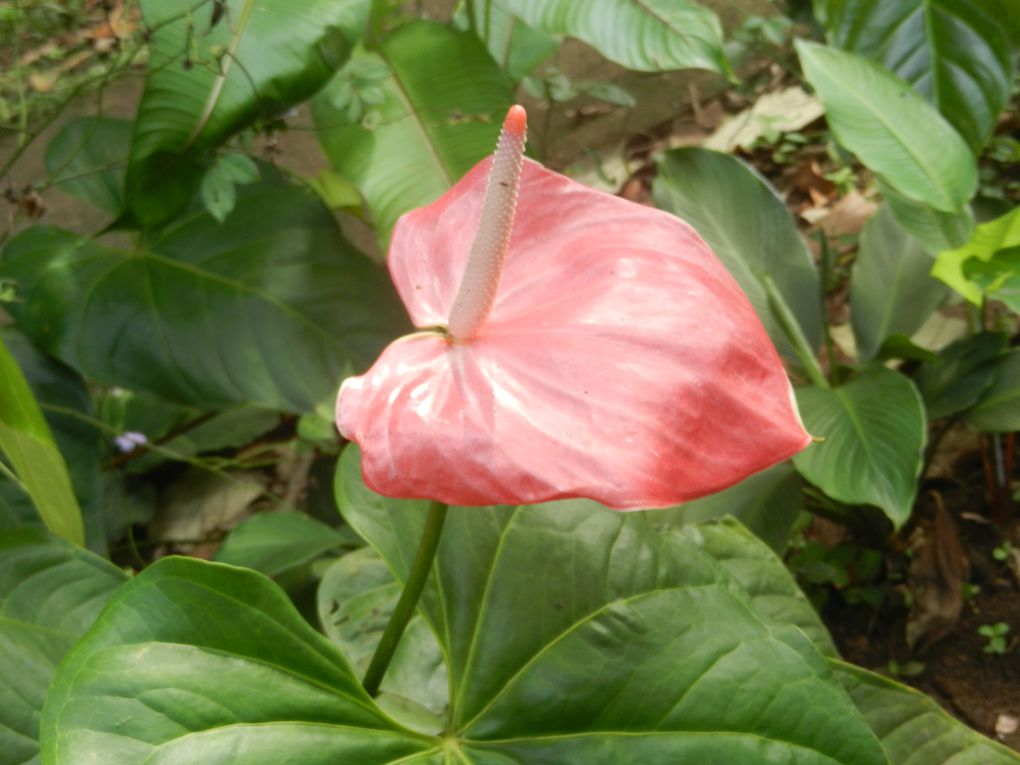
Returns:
(573,344)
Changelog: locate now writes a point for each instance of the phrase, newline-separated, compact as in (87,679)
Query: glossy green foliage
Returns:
(874,431)
(891,128)
(406,121)
(891,289)
(913,729)
(934,229)
(88,158)
(28,446)
(270,307)
(710,191)
(573,633)
(962,374)
(515,46)
(648,35)
(50,593)
(957,54)
(216,68)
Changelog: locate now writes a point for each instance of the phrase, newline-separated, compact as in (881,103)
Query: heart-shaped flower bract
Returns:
(619,360)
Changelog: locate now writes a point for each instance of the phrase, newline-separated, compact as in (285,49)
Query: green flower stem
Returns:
(413,588)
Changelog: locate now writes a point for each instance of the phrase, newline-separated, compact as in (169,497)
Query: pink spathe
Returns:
(620,361)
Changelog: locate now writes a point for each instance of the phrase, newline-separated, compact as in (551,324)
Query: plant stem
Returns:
(413,587)
(791,328)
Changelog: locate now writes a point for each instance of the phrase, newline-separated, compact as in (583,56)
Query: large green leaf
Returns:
(216,68)
(64,400)
(269,308)
(767,503)
(998,410)
(874,429)
(914,729)
(748,226)
(891,128)
(891,289)
(955,53)
(87,159)
(50,593)
(575,634)
(649,35)
(27,443)
(441,99)
(198,662)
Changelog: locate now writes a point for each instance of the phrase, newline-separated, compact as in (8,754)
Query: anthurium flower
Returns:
(580,346)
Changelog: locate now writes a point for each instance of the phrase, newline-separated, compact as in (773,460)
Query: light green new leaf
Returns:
(275,542)
(913,728)
(217,67)
(441,101)
(874,428)
(576,634)
(987,264)
(648,35)
(269,307)
(998,410)
(749,227)
(87,159)
(196,662)
(956,54)
(891,128)
(50,593)
(891,289)
(218,185)
(27,443)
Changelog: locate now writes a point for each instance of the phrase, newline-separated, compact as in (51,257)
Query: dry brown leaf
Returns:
(848,215)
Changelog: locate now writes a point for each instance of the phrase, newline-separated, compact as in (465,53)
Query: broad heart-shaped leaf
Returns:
(891,128)
(63,398)
(748,226)
(216,68)
(914,729)
(197,662)
(648,35)
(269,308)
(998,410)
(891,289)
(442,99)
(50,593)
(27,443)
(575,634)
(963,373)
(956,54)
(767,503)
(87,159)
(874,428)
